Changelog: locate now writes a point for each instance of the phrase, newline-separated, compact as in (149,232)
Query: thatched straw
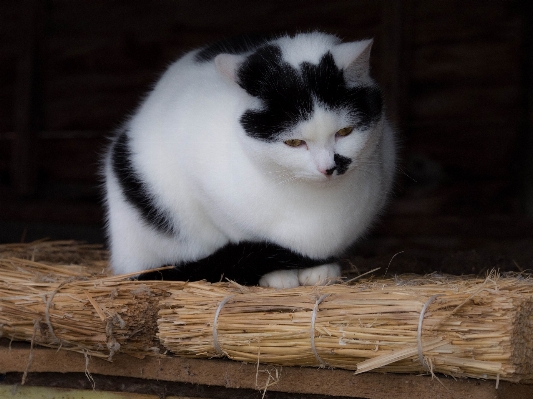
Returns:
(67,306)
(461,326)
(58,252)
(476,328)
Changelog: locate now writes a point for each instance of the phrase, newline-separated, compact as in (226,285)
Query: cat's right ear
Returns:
(228,64)
(354,58)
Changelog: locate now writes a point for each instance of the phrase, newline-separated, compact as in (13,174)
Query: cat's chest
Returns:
(307,209)
(296,216)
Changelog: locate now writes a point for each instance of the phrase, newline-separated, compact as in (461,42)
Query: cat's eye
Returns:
(345,131)
(294,142)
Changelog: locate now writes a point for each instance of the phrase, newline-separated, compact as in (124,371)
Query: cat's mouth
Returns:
(324,178)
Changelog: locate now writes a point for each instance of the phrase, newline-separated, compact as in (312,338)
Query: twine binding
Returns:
(419,332)
(216,344)
(313,319)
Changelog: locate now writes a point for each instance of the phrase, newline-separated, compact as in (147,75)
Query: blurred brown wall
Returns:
(455,75)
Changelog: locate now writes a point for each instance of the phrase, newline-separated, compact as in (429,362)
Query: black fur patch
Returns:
(134,189)
(244,263)
(341,163)
(287,94)
(286,99)
(235,45)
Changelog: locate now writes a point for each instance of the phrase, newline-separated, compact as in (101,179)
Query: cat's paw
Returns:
(280,279)
(319,275)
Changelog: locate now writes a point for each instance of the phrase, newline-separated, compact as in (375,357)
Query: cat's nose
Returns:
(328,172)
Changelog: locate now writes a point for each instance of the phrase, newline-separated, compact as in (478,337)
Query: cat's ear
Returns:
(228,64)
(354,59)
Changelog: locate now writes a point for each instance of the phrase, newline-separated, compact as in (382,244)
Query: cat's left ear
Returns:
(354,59)
(228,64)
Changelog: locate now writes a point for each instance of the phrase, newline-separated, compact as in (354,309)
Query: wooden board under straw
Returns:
(479,328)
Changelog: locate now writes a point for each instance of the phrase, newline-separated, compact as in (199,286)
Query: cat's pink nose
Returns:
(328,172)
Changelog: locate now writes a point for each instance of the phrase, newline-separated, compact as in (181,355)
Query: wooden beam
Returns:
(231,374)
(22,392)
(23,164)
(525,145)
(396,55)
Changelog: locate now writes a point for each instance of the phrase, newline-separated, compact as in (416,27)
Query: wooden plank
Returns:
(10,22)
(230,374)
(457,226)
(474,62)
(84,88)
(72,160)
(73,156)
(39,211)
(23,164)
(441,101)
(466,148)
(396,58)
(23,392)
(444,21)
(525,150)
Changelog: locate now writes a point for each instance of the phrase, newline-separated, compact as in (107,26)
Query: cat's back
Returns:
(193,95)
(195,74)
(196,69)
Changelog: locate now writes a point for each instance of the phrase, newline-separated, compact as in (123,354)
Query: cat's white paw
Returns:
(280,279)
(319,275)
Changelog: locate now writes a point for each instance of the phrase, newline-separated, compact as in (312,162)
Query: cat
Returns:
(261,160)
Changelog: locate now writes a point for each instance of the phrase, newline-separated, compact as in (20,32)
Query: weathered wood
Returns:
(10,23)
(440,102)
(525,150)
(472,141)
(16,391)
(241,375)
(85,88)
(470,63)
(23,165)
(445,21)
(72,156)
(459,227)
(52,211)
(396,58)
(452,70)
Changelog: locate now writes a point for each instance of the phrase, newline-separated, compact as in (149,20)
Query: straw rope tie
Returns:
(419,332)
(216,344)
(313,319)
(48,304)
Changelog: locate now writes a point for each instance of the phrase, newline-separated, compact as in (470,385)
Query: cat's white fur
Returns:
(223,186)
(318,275)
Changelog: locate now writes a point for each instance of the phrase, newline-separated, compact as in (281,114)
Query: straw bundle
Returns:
(91,256)
(67,306)
(476,328)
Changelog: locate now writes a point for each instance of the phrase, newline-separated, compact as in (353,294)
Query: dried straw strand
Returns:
(473,327)
(470,329)
(75,310)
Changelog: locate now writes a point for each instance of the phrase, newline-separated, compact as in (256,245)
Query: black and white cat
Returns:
(260,160)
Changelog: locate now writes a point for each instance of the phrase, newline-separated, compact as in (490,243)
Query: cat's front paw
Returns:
(319,275)
(280,279)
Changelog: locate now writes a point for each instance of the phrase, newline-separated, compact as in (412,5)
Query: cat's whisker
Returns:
(371,163)
(403,172)
(370,172)
(282,177)
(285,181)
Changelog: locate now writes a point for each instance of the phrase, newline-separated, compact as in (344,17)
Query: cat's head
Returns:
(313,112)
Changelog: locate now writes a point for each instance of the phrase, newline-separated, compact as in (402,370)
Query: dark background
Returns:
(457,76)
